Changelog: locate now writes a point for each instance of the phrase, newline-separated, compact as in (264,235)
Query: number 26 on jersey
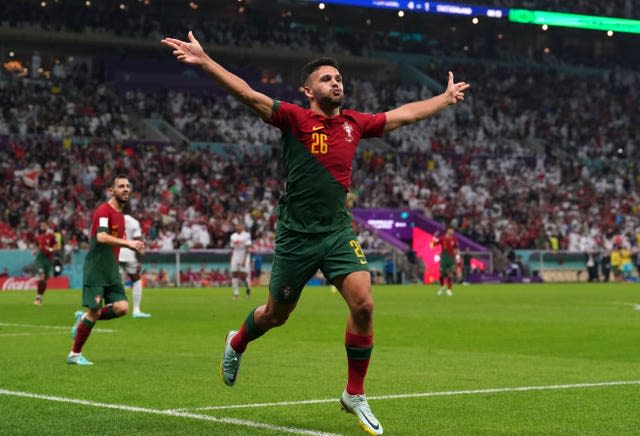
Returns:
(319,143)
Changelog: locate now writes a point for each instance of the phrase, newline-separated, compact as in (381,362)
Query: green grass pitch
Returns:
(549,359)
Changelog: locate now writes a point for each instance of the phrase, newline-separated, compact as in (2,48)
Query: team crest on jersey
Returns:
(98,299)
(348,130)
(286,292)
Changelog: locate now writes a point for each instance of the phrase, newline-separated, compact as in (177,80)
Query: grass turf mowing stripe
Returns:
(233,421)
(425,394)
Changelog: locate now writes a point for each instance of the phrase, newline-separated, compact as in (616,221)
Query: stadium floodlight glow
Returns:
(559,19)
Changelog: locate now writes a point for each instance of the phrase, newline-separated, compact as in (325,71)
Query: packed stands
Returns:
(537,152)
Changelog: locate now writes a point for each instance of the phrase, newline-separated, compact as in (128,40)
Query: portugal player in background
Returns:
(101,280)
(314,224)
(448,257)
(47,248)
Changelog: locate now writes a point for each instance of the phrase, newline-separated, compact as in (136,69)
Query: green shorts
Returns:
(447,265)
(44,266)
(299,255)
(92,296)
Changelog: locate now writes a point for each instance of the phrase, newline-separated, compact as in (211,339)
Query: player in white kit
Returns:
(240,259)
(130,264)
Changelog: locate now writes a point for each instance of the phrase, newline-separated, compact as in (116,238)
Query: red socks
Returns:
(247,333)
(358,355)
(82,334)
(107,313)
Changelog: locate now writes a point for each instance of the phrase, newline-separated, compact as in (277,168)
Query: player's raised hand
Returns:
(455,91)
(188,52)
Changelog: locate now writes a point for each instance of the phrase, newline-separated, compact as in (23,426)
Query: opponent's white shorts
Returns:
(238,266)
(131,267)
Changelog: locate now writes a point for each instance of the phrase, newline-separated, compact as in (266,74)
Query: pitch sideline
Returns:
(173,413)
(422,394)
(183,413)
(52,327)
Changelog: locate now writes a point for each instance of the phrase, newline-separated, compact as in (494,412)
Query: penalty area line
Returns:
(172,413)
(426,394)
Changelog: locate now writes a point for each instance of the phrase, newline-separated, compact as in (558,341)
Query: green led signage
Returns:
(573,20)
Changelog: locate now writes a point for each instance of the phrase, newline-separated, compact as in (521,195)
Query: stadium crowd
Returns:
(540,157)
(293,26)
(532,151)
(502,177)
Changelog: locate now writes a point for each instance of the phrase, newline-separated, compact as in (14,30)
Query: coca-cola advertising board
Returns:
(31,283)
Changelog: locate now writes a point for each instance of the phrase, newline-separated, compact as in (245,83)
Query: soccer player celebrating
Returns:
(130,262)
(448,257)
(47,247)
(101,281)
(314,227)
(240,267)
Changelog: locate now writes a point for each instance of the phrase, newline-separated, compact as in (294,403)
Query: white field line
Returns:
(5,335)
(425,394)
(635,305)
(52,327)
(124,407)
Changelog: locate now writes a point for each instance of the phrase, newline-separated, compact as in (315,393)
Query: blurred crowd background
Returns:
(542,154)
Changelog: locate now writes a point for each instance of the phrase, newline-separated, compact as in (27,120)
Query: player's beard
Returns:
(122,201)
(330,102)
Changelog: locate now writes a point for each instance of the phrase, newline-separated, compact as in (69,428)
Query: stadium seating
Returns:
(537,152)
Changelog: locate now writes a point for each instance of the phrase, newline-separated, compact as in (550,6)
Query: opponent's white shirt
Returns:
(132,231)
(240,243)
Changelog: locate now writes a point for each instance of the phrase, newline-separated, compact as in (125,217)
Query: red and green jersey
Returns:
(101,263)
(46,246)
(449,245)
(318,155)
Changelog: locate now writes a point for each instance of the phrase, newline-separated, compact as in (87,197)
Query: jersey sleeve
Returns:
(280,114)
(101,219)
(371,125)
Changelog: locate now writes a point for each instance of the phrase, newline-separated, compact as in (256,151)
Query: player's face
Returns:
(325,87)
(121,190)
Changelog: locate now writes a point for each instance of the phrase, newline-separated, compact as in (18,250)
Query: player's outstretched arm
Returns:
(419,110)
(192,53)
(106,238)
(435,240)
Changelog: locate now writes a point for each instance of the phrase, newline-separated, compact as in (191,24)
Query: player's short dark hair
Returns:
(313,65)
(116,177)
